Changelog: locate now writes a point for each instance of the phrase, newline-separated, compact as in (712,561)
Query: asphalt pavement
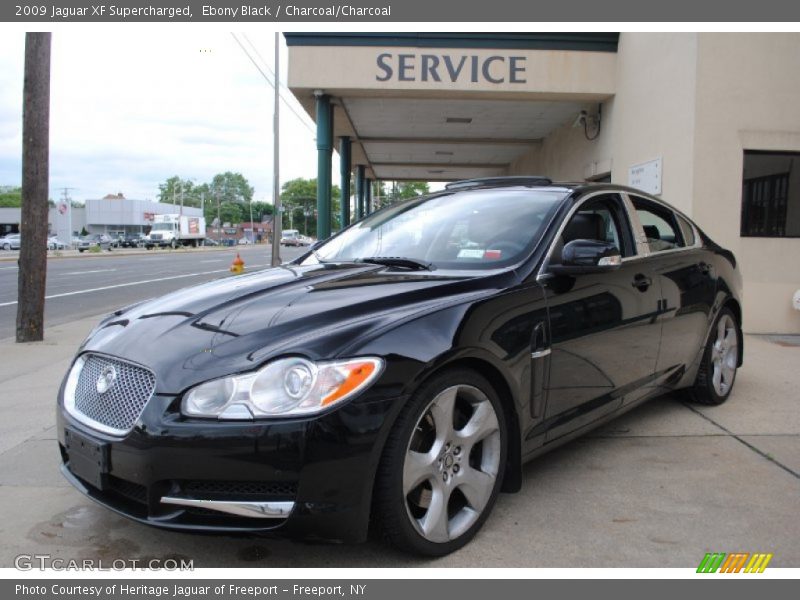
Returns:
(89,284)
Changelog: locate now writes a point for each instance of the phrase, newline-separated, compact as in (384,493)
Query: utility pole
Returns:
(219,219)
(32,277)
(252,227)
(68,210)
(277,218)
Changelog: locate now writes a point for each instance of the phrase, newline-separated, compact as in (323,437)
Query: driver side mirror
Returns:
(587,256)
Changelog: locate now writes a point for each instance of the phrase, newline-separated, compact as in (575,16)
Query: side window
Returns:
(600,219)
(659,224)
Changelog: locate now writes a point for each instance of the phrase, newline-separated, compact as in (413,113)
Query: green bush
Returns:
(95,249)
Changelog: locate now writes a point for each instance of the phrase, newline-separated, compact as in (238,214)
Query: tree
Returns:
(299,198)
(10,197)
(408,189)
(232,212)
(261,209)
(231,187)
(176,190)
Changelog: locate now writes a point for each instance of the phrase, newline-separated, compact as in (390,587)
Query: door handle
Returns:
(641,282)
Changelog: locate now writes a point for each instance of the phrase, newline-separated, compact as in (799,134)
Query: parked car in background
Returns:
(132,240)
(291,237)
(210,242)
(401,374)
(10,242)
(54,244)
(100,240)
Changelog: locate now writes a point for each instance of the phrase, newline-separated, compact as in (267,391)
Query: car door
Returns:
(687,281)
(603,326)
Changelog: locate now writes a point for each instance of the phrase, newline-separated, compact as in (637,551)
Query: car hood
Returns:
(237,323)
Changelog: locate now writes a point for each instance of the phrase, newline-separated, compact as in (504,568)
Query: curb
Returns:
(154,252)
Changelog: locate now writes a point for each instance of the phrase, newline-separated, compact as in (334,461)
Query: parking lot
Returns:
(658,487)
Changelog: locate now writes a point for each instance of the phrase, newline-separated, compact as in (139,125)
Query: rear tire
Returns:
(717,372)
(442,466)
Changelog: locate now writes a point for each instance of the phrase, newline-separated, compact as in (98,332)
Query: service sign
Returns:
(451,68)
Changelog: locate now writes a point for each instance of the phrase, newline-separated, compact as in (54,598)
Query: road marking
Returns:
(214,261)
(119,285)
(7,268)
(86,272)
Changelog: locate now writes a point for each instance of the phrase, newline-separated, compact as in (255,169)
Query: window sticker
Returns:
(470,253)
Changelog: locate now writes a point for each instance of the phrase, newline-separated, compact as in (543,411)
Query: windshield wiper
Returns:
(398,261)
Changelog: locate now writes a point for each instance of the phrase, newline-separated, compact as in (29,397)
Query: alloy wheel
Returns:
(724,355)
(451,463)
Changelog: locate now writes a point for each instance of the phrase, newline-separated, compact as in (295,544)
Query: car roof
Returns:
(577,189)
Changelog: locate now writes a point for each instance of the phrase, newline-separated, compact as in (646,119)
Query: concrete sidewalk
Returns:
(661,486)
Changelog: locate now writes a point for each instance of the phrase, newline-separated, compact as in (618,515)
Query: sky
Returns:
(130,108)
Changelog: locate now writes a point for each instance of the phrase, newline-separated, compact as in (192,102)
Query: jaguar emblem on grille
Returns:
(106,380)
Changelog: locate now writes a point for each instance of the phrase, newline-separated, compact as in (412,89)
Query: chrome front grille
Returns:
(108,394)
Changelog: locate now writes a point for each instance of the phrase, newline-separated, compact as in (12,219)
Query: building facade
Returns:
(706,121)
(115,216)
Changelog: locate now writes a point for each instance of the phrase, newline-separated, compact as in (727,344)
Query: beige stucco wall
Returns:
(566,154)
(748,97)
(698,101)
(651,116)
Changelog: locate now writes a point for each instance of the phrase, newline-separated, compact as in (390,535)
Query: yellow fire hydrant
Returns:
(238,264)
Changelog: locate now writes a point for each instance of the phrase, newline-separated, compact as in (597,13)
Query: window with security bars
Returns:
(771,194)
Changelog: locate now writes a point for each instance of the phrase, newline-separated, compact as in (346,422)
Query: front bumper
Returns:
(309,478)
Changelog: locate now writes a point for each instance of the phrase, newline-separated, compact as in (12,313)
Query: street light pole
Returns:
(252,227)
(277,217)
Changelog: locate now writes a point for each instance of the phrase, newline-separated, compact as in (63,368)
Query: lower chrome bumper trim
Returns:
(258,510)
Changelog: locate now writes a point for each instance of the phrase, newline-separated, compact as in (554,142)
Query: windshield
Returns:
(478,229)
(163,227)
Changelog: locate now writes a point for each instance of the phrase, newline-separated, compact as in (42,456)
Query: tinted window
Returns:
(477,229)
(599,219)
(771,194)
(660,226)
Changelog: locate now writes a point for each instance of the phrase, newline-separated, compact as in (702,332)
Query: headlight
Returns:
(283,388)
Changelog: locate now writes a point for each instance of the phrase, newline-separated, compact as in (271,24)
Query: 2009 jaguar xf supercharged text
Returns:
(399,374)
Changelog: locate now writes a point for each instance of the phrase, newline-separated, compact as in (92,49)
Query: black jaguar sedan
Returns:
(399,374)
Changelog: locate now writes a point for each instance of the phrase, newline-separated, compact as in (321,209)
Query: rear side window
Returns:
(660,226)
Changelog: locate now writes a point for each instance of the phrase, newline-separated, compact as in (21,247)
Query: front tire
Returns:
(717,372)
(443,465)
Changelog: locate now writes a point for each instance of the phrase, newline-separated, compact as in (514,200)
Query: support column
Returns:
(368,197)
(324,150)
(360,191)
(345,158)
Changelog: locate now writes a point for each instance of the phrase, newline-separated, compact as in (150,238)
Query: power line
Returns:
(277,79)
(270,82)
